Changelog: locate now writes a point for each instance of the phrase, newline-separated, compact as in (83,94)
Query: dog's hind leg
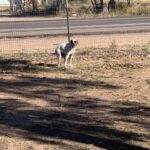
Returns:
(59,56)
(59,60)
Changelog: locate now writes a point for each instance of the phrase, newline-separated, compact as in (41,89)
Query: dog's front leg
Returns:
(66,60)
(71,58)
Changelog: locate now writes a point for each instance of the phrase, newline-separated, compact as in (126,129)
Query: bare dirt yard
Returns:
(103,102)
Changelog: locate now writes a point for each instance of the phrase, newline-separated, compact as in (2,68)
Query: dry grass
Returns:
(102,103)
(84,8)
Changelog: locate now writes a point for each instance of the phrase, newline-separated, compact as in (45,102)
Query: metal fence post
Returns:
(68,27)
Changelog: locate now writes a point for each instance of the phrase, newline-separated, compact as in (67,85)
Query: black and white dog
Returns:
(66,51)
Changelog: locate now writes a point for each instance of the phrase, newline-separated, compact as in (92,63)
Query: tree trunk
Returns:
(112,5)
(97,6)
(12,5)
(128,2)
(34,5)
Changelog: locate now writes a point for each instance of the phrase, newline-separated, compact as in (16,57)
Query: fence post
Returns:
(67,14)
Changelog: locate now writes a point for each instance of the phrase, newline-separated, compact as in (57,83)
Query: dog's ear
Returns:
(71,41)
(77,42)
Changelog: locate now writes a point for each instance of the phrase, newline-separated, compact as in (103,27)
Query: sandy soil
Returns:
(103,103)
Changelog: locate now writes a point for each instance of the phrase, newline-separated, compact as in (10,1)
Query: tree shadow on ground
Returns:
(48,87)
(17,65)
(66,116)
(69,125)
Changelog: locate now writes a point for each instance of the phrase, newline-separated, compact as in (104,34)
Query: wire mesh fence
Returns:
(12,46)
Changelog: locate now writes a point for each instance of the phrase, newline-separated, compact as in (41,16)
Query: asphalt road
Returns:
(77,26)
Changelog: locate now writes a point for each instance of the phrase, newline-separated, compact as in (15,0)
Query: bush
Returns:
(139,10)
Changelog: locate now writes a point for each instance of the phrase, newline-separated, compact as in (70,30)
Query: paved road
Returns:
(77,26)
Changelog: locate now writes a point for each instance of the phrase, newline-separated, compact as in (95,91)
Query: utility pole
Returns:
(68,28)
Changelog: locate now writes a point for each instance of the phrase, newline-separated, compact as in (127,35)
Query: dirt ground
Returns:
(49,43)
(102,103)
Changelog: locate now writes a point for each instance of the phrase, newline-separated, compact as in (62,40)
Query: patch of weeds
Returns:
(73,71)
(85,10)
(55,68)
(138,9)
(116,66)
(148,81)
(90,71)
(16,65)
(74,86)
(95,68)
(129,66)
(135,51)
(113,49)
(86,51)
(22,55)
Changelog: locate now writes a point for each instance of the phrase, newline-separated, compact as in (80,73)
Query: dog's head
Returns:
(74,42)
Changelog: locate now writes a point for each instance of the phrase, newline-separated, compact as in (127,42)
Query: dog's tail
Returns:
(52,53)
